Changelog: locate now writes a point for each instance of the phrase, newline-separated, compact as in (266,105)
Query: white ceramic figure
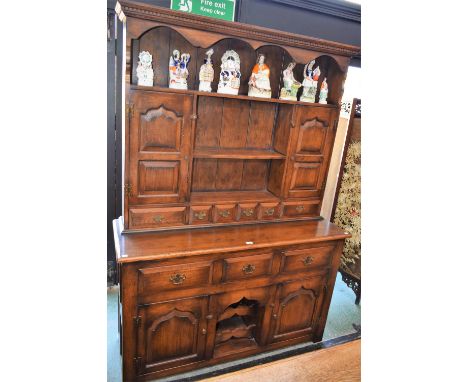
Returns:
(229,78)
(144,70)
(323,91)
(310,82)
(291,85)
(259,82)
(206,73)
(178,70)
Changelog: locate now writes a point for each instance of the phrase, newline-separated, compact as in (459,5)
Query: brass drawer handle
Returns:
(178,278)
(158,219)
(225,213)
(248,212)
(248,269)
(200,215)
(203,331)
(307,260)
(300,208)
(270,211)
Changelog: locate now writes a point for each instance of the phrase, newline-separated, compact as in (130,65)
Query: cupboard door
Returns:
(171,334)
(311,146)
(159,147)
(296,309)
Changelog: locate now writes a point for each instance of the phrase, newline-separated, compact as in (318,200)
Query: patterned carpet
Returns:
(344,318)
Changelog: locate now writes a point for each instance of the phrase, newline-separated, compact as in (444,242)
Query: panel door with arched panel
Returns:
(311,145)
(159,147)
(171,334)
(297,309)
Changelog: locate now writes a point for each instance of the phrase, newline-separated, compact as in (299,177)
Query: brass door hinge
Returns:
(137,361)
(129,109)
(137,321)
(128,189)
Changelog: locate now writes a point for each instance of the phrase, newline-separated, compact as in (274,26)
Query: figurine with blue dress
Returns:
(229,78)
(178,70)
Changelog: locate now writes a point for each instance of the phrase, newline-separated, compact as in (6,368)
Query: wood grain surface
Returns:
(341,363)
(170,244)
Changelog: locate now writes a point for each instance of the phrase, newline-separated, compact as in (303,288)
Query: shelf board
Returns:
(232,196)
(219,95)
(238,153)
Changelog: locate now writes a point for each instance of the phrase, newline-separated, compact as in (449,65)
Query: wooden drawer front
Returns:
(200,215)
(248,211)
(306,259)
(156,217)
(187,275)
(269,211)
(239,268)
(225,213)
(299,209)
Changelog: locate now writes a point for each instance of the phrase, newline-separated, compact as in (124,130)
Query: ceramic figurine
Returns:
(310,82)
(229,78)
(206,73)
(291,85)
(259,82)
(323,91)
(178,70)
(145,69)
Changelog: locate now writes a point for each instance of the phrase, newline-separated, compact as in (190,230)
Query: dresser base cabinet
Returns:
(194,298)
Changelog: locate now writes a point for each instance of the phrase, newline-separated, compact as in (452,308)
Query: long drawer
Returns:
(171,277)
(306,259)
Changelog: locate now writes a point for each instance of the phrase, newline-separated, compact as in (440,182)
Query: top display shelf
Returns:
(220,95)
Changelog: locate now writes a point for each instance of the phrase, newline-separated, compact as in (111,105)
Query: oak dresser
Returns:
(221,249)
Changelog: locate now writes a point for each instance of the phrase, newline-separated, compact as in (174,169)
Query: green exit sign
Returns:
(219,9)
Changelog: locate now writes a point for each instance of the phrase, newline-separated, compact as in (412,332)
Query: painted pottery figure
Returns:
(259,82)
(323,91)
(178,70)
(206,73)
(310,82)
(229,78)
(291,85)
(144,70)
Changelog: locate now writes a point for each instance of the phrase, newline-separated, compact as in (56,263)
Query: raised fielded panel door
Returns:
(310,151)
(296,309)
(171,334)
(159,147)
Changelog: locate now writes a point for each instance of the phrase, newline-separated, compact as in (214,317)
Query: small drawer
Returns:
(225,213)
(239,268)
(269,211)
(247,211)
(200,215)
(306,259)
(156,217)
(187,275)
(301,209)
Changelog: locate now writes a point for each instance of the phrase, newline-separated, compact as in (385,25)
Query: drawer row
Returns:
(153,217)
(237,267)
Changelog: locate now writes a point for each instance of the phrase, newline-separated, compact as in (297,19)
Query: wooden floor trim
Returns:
(276,355)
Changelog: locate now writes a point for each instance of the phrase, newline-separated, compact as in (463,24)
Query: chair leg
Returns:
(353,283)
(358,293)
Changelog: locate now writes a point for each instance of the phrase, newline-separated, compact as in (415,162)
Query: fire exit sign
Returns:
(219,9)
